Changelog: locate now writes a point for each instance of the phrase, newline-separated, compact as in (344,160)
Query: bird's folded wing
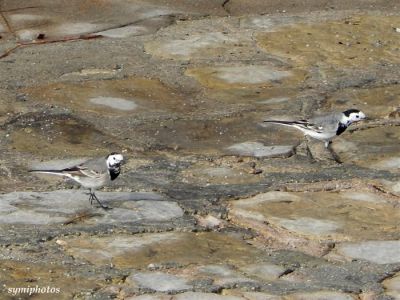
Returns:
(310,126)
(90,173)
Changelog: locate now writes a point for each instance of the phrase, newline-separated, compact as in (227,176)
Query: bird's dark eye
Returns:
(357,116)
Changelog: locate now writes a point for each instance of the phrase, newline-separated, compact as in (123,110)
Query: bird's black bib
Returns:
(341,128)
(114,173)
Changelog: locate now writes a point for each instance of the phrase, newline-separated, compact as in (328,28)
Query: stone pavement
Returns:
(211,203)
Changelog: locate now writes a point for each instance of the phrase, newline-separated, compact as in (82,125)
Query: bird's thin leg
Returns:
(98,201)
(335,157)
(91,198)
(309,153)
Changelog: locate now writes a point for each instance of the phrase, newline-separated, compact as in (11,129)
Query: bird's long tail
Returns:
(51,172)
(287,123)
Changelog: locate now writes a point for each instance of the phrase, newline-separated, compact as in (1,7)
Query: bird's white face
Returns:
(351,116)
(356,116)
(114,160)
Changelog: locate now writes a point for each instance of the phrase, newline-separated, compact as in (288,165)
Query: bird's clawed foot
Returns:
(92,197)
(336,158)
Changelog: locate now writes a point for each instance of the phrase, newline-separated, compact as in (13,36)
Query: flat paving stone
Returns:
(115,103)
(159,282)
(222,275)
(199,77)
(197,44)
(187,296)
(308,220)
(375,148)
(264,271)
(379,252)
(326,295)
(244,76)
(141,250)
(260,150)
(45,208)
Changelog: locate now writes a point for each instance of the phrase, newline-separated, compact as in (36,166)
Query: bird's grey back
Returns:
(96,164)
(327,121)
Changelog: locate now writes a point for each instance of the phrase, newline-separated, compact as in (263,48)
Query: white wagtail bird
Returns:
(325,127)
(91,174)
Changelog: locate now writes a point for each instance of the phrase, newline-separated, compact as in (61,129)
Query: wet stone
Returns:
(260,150)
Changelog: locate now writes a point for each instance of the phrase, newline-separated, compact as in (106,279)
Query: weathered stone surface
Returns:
(172,86)
(263,271)
(375,148)
(328,295)
(259,150)
(302,220)
(392,286)
(158,281)
(193,46)
(141,250)
(223,275)
(379,252)
(60,206)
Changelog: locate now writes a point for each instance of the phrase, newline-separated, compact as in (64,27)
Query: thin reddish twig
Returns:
(41,42)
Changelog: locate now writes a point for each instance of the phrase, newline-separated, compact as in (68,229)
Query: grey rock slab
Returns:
(190,296)
(309,226)
(186,48)
(223,274)
(259,150)
(276,100)
(124,32)
(392,163)
(379,252)
(59,206)
(253,295)
(114,103)
(203,296)
(158,281)
(250,74)
(310,221)
(325,295)
(263,271)
(182,248)
(146,210)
